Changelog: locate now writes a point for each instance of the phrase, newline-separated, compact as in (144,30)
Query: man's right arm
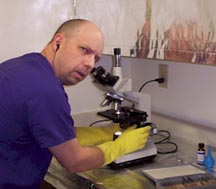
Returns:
(76,158)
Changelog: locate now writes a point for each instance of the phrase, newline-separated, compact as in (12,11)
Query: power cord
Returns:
(164,145)
(159,80)
(164,142)
(99,121)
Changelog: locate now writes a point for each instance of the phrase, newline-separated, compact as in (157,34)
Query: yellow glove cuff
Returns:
(109,154)
(91,136)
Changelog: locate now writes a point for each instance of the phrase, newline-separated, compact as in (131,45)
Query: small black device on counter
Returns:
(201,153)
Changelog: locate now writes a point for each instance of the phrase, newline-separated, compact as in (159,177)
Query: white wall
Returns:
(190,94)
(27,26)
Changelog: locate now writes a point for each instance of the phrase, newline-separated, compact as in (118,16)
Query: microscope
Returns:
(128,108)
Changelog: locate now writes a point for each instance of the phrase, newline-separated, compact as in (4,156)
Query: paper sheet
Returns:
(168,172)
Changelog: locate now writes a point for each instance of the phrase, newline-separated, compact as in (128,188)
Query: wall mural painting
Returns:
(179,31)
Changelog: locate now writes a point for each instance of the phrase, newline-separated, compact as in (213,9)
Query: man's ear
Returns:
(57,47)
(57,41)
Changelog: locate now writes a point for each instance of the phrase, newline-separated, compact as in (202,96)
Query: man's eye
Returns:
(85,50)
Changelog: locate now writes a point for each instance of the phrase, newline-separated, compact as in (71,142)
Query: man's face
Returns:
(77,55)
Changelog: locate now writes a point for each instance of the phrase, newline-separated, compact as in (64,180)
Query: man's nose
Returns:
(90,62)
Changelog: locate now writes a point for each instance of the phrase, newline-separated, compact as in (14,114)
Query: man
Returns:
(36,121)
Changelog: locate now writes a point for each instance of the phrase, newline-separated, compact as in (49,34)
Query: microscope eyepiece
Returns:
(103,77)
(117,51)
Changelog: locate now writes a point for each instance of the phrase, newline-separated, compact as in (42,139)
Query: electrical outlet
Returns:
(163,73)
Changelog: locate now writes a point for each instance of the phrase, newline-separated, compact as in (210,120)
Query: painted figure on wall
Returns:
(179,31)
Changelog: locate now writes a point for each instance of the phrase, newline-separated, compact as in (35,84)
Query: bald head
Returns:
(72,27)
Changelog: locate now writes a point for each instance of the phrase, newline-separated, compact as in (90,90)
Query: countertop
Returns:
(126,178)
(131,177)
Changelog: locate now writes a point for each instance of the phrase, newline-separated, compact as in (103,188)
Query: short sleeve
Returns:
(49,116)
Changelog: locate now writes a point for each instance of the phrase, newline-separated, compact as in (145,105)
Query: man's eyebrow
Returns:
(97,57)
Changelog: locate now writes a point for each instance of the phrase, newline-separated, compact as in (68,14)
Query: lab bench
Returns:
(127,178)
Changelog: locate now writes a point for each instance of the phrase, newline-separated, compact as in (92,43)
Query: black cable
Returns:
(159,80)
(166,138)
(98,121)
(166,141)
(168,151)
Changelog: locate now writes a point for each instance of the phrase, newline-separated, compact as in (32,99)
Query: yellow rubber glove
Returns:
(128,142)
(91,136)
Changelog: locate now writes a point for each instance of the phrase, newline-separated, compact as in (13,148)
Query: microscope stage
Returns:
(126,117)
